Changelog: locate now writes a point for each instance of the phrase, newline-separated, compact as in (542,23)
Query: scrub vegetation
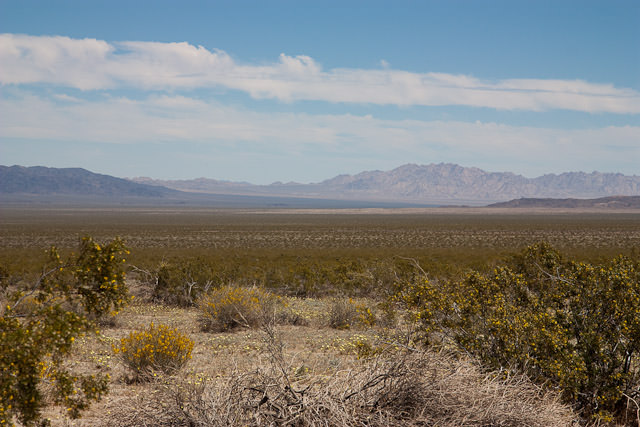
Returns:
(436,317)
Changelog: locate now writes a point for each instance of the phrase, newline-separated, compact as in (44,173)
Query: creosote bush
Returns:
(570,325)
(157,348)
(346,313)
(229,307)
(181,283)
(39,323)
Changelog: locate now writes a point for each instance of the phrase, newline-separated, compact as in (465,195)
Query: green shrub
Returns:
(39,324)
(230,307)
(571,325)
(181,283)
(177,282)
(157,348)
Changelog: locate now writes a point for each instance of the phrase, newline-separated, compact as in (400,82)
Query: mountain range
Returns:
(407,185)
(79,187)
(442,183)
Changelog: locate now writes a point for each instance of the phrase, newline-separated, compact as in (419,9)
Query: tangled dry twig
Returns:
(413,388)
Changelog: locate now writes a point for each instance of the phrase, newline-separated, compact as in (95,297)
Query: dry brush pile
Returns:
(409,387)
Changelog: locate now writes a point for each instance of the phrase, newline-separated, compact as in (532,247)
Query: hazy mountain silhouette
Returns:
(75,181)
(76,186)
(408,184)
(434,183)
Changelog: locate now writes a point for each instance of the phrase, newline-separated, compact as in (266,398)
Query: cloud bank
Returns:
(90,64)
(181,120)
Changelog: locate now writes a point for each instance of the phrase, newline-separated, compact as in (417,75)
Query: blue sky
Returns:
(302,91)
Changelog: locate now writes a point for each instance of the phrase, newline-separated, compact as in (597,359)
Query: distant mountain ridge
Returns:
(76,181)
(615,202)
(40,185)
(433,183)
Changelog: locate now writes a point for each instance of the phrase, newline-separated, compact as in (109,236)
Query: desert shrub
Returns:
(181,284)
(388,317)
(229,307)
(342,313)
(157,348)
(345,313)
(39,324)
(5,278)
(180,276)
(177,282)
(571,325)
(366,316)
(290,311)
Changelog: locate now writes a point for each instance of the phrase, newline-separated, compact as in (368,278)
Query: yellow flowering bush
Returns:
(366,317)
(157,348)
(39,323)
(571,325)
(229,307)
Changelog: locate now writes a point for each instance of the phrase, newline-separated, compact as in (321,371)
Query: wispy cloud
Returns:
(190,121)
(90,64)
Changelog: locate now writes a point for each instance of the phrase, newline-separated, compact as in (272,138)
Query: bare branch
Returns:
(415,263)
(38,284)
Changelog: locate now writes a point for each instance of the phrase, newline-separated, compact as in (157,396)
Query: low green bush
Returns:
(39,323)
(181,283)
(570,325)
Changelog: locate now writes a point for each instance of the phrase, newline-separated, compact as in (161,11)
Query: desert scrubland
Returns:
(439,316)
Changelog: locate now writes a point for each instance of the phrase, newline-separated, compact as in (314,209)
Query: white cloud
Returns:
(65,97)
(300,66)
(90,64)
(184,120)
